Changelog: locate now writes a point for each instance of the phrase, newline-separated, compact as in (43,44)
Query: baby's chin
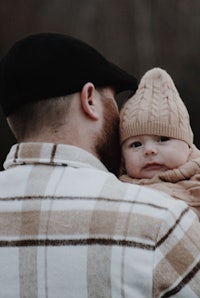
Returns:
(150,173)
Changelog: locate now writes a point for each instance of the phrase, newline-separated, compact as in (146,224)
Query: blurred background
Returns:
(135,34)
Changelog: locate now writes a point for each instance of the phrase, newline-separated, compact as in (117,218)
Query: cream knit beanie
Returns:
(156,109)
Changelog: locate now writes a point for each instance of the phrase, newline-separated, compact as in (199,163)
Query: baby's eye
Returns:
(163,139)
(136,144)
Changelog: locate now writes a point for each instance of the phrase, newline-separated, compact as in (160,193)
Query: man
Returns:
(69,227)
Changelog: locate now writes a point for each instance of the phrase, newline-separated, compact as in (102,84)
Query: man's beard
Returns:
(108,142)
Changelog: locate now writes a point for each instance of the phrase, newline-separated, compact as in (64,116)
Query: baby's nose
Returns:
(150,150)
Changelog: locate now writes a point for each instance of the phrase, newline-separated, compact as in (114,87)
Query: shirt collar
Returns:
(53,154)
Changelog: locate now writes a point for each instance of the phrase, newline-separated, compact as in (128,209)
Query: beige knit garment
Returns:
(156,109)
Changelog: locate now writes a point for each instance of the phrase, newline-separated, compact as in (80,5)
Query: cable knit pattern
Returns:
(156,109)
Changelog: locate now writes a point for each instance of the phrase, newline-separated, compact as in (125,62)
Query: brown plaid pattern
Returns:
(68,228)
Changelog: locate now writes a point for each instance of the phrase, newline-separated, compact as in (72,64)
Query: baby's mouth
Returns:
(153,166)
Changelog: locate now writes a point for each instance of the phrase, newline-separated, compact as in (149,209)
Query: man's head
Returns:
(55,88)
(48,65)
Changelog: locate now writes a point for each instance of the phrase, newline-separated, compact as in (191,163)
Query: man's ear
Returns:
(88,101)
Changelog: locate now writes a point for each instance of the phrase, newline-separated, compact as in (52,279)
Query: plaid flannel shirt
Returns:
(69,228)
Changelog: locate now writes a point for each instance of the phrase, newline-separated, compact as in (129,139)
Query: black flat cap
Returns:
(48,65)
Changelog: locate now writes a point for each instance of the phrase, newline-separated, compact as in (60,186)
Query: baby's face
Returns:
(147,155)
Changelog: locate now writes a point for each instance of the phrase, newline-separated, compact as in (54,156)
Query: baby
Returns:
(157,140)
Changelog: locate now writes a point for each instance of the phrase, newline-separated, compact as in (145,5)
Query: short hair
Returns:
(30,119)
